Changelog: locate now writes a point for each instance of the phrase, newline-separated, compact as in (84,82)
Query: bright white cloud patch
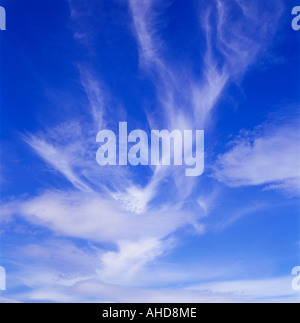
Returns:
(90,216)
(268,156)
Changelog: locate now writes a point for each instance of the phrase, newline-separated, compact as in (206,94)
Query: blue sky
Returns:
(72,230)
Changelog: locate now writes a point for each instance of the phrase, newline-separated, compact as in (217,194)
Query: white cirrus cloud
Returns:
(268,156)
(90,216)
